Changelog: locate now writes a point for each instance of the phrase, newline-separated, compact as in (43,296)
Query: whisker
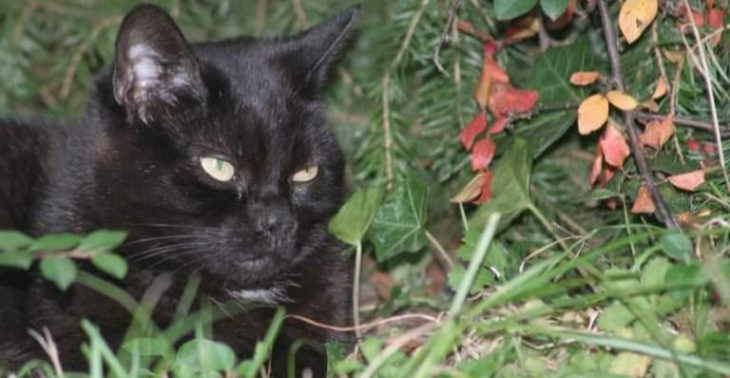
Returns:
(144,255)
(147,240)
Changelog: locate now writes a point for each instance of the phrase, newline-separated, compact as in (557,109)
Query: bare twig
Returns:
(711,98)
(385,86)
(442,255)
(366,326)
(706,126)
(46,342)
(612,45)
(446,36)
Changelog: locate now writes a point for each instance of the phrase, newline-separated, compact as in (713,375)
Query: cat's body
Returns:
(217,160)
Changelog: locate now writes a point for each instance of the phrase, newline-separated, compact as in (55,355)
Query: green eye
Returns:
(306,174)
(218,169)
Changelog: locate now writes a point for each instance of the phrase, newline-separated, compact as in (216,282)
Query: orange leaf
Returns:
(688,181)
(715,19)
(466,27)
(477,125)
(675,56)
(498,126)
(584,77)
(608,173)
(643,203)
(614,147)
(635,16)
(524,28)
(661,88)
(596,165)
(486,188)
(621,100)
(592,114)
(506,100)
(470,191)
(657,133)
(483,154)
(491,73)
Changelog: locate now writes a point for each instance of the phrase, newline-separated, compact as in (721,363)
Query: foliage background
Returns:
(569,287)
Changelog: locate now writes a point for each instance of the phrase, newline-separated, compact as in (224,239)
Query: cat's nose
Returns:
(275,220)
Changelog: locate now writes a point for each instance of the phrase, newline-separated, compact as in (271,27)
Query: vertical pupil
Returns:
(218,164)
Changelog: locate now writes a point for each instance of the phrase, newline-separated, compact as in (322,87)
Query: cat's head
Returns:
(217,155)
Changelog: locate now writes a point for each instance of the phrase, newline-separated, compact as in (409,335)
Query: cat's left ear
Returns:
(319,47)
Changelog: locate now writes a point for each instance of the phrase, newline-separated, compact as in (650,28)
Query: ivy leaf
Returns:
(14,240)
(509,9)
(354,218)
(399,223)
(102,240)
(111,264)
(554,8)
(208,354)
(55,242)
(676,245)
(511,187)
(61,270)
(551,77)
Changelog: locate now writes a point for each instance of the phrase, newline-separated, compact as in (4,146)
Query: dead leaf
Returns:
(524,28)
(621,100)
(608,173)
(635,16)
(466,27)
(689,181)
(657,133)
(584,77)
(476,127)
(491,73)
(471,191)
(643,203)
(596,166)
(650,105)
(715,19)
(483,154)
(675,56)
(661,89)
(592,114)
(486,188)
(506,100)
(614,147)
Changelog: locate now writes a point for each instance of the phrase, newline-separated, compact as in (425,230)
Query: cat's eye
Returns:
(218,169)
(306,174)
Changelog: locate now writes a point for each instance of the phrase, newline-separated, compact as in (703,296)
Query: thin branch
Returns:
(700,125)
(711,98)
(366,326)
(385,85)
(612,45)
(442,255)
(445,36)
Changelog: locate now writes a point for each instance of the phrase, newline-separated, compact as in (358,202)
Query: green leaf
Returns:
(207,354)
(484,277)
(148,347)
(676,245)
(399,223)
(509,9)
(554,8)
(511,187)
(614,317)
(102,240)
(551,78)
(55,242)
(60,270)
(21,260)
(655,271)
(111,264)
(354,218)
(13,240)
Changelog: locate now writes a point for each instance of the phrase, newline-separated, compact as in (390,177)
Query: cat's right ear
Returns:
(155,69)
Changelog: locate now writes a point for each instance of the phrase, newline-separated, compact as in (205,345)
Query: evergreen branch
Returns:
(385,86)
(638,151)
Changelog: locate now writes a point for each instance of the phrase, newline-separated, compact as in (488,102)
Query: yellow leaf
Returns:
(635,16)
(661,88)
(584,77)
(643,204)
(621,100)
(592,114)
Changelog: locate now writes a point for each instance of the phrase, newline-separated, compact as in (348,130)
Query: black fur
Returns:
(132,163)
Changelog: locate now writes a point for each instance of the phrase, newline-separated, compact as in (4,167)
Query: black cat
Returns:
(217,159)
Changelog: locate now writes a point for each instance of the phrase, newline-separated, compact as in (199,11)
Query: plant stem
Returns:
(442,255)
(638,151)
(356,290)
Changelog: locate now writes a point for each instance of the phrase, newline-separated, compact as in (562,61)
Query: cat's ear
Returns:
(155,69)
(319,47)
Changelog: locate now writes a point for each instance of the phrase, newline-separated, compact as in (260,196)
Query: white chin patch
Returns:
(269,297)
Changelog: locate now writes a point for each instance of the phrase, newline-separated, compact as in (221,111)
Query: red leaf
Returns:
(477,125)
(506,100)
(715,19)
(710,149)
(483,154)
(608,173)
(596,165)
(486,188)
(491,73)
(643,203)
(498,126)
(688,181)
(614,146)
(693,145)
